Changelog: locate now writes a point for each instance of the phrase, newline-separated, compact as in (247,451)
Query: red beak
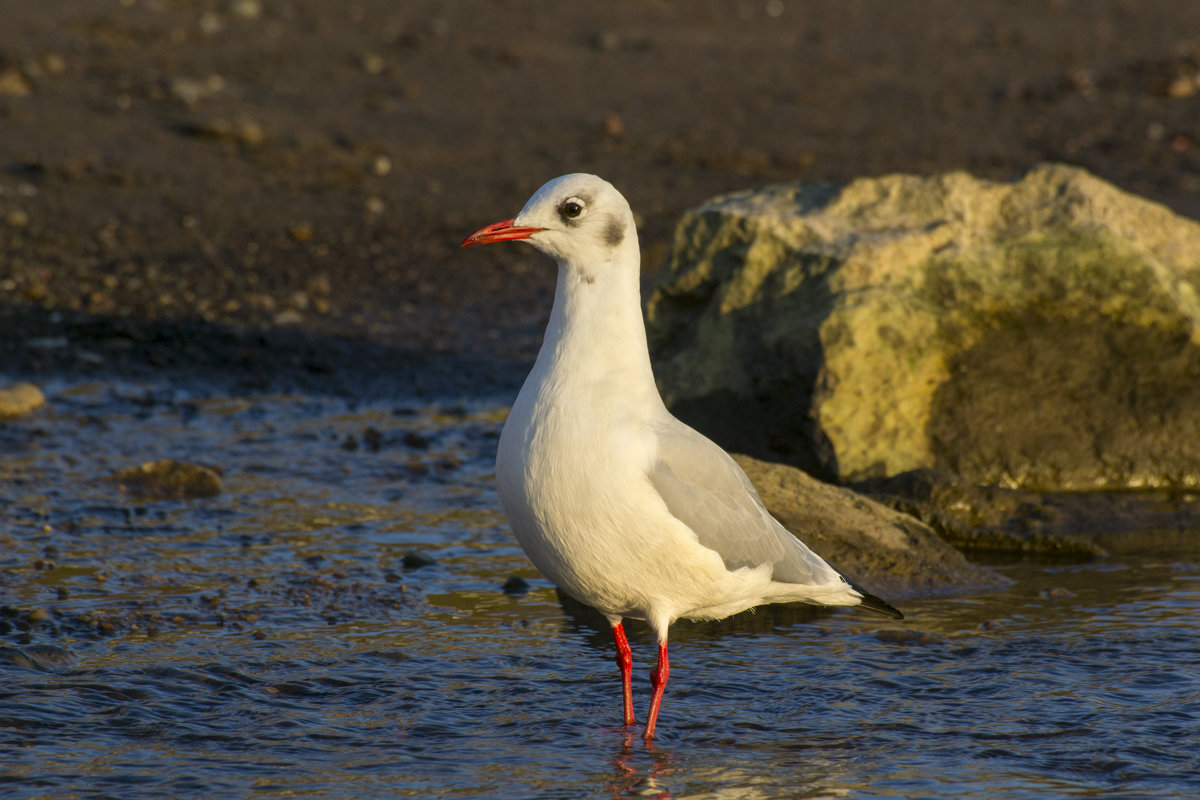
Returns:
(499,232)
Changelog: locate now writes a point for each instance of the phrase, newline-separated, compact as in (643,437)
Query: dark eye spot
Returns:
(571,209)
(614,232)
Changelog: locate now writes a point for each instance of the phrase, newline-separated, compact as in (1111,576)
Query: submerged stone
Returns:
(415,559)
(170,479)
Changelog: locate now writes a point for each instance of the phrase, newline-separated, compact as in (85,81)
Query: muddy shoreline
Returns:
(245,193)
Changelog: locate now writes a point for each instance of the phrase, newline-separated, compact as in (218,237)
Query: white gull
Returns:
(621,505)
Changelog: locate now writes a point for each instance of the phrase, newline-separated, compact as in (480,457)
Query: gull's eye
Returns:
(571,208)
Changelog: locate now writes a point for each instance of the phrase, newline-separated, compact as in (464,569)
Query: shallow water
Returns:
(272,642)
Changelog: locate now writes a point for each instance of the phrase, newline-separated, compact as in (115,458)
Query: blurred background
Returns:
(279,187)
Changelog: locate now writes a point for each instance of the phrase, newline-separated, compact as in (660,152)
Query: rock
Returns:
(885,551)
(35,656)
(14,84)
(193,90)
(1076,526)
(1042,334)
(415,559)
(242,131)
(19,399)
(905,636)
(246,9)
(515,585)
(170,479)
(373,439)
(982,518)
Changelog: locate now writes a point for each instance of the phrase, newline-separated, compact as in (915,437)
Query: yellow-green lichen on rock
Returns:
(1009,332)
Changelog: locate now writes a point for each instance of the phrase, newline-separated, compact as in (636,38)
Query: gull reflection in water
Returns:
(633,779)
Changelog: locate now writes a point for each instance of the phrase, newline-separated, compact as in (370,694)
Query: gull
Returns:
(621,505)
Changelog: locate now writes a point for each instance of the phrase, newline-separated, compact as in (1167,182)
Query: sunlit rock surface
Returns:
(1041,334)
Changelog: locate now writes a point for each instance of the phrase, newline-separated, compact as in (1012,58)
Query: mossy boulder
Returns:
(1041,334)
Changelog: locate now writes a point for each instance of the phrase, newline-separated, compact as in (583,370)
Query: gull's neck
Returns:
(596,337)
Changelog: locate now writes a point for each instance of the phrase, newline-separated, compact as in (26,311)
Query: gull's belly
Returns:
(589,519)
(579,525)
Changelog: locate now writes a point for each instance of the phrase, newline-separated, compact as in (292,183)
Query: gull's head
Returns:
(576,218)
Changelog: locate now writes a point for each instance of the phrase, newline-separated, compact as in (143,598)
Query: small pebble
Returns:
(906,636)
(417,441)
(414,559)
(210,23)
(246,9)
(301,232)
(515,585)
(14,84)
(54,64)
(607,41)
(19,399)
(614,126)
(373,64)
(167,478)
(1184,86)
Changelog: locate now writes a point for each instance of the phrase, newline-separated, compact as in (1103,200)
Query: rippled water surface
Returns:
(291,637)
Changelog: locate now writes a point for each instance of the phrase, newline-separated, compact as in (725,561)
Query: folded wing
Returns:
(706,490)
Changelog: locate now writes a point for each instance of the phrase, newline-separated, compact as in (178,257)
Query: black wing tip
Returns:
(879,606)
(873,603)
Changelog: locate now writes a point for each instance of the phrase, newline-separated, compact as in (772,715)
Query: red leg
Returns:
(658,682)
(625,662)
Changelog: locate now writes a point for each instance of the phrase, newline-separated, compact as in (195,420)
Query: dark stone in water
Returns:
(515,585)
(414,559)
(170,479)
(373,439)
(907,637)
(35,656)
(417,441)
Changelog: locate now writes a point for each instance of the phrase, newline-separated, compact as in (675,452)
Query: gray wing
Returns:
(706,490)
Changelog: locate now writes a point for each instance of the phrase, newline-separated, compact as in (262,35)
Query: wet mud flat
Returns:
(349,616)
(178,177)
